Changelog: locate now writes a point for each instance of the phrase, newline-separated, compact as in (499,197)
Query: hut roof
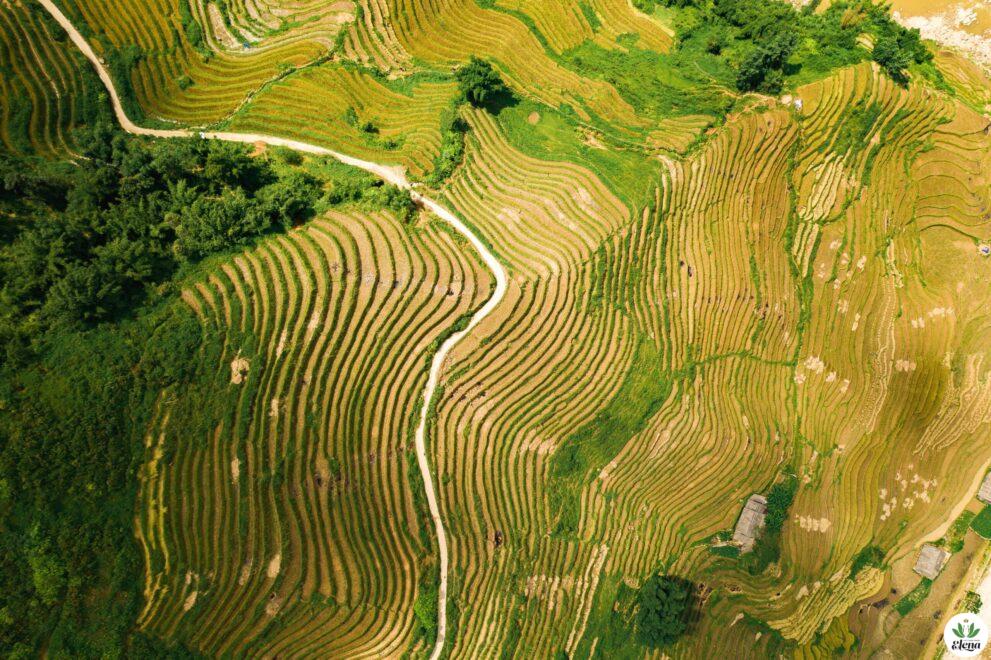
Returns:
(931,560)
(984,494)
(750,523)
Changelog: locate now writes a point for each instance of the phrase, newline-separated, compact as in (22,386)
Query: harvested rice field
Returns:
(657,329)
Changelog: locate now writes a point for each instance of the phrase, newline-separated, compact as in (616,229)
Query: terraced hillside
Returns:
(780,321)
(47,88)
(289,508)
(191,62)
(357,113)
(713,292)
(307,73)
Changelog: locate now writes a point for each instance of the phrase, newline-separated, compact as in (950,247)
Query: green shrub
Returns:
(870,555)
(972,602)
(479,83)
(892,59)
(120,63)
(452,147)
(779,500)
(425,605)
(191,28)
(664,604)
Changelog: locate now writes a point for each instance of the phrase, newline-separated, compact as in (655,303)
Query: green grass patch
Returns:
(858,123)
(656,85)
(71,576)
(730,551)
(953,541)
(556,137)
(589,13)
(981,523)
(645,387)
(611,621)
(911,600)
(870,555)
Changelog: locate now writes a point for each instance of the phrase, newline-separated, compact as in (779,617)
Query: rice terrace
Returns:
(495,329)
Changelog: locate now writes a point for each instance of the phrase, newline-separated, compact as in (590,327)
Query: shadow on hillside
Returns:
(498,102)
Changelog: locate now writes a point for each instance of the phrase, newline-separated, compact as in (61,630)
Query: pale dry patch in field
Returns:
(274,566)
(239,369)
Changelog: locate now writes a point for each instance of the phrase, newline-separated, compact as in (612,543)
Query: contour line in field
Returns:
(397,177)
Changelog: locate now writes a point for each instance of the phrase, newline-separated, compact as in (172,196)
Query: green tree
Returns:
(892,58)
(291,199)
(479,82)
(47,572)
(762,70)
(665,603)
(211,224)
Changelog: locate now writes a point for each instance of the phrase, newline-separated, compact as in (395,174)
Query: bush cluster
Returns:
(665,605)
(479,83)
(766,41)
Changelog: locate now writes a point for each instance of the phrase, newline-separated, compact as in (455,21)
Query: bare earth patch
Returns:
(274,566)
(239,369)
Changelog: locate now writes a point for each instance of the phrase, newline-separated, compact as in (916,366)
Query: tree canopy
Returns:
(665,604)
(479,83)
(85,240)
(767,42)
(762,70)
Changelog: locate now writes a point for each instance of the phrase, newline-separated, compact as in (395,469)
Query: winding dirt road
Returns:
(394,175)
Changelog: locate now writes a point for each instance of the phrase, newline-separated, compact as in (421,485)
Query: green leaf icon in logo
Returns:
(972,631)
(958,631)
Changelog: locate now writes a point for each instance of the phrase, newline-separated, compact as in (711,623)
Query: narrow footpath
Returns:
(391,174)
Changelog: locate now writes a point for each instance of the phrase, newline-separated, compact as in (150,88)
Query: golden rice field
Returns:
(812,301)
(800,291)
(289,525)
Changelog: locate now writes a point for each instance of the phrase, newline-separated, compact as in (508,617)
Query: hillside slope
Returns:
(713,292)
